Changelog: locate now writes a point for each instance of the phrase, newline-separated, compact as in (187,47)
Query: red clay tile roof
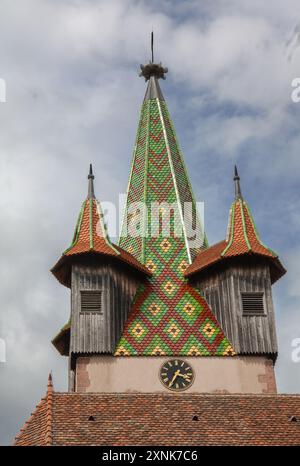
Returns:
(38,429)
(206,257)
(164,419)
(242,235)
(62,340)
(242,239)
(90,237)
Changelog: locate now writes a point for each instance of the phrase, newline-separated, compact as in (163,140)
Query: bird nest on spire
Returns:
(153,69)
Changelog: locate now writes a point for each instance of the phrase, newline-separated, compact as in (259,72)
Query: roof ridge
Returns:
(175,181)
(182,395)
(104,227)
(246,238)
(49,412)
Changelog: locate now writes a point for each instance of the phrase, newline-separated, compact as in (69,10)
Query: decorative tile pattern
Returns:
(174,330)
(158,175)
(169,317)
(209,330)
(138,331)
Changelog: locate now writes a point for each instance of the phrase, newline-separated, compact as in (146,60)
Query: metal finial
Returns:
(91,193)
(236,179)
(152,53)
(50,382)
(153,69)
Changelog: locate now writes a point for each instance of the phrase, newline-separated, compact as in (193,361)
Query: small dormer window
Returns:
(91,302)
(253,304)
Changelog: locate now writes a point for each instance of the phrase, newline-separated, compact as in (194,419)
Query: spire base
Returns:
(153,69)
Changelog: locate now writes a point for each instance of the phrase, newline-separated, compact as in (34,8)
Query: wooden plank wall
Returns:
(100,332)
(222,290)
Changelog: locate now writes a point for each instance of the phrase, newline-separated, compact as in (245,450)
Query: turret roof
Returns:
(242,240)
(91,237)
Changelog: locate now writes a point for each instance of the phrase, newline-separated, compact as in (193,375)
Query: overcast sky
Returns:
(73,97)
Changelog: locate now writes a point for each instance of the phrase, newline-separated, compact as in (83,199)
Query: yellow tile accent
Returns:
(193,351)
(154,309)
(122,352)
(138,330)
(173,330)
(158,352)
(165,245)
(183,266)
(209,330)
(151,266)
(189,309)
(169,287)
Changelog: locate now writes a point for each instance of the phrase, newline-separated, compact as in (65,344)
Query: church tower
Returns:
(163,311)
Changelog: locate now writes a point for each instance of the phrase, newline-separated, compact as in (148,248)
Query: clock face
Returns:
(176,374)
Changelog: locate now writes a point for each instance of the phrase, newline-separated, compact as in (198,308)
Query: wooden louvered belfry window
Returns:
(253,304)
(91,302)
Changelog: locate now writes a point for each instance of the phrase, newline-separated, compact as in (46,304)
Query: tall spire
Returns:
(236,179)
(91,192)
(158,171)
(168,317)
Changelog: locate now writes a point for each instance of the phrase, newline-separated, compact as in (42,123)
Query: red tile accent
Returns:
(87,230)
(242,240)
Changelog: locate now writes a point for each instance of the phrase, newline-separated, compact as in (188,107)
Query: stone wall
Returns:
(241,374)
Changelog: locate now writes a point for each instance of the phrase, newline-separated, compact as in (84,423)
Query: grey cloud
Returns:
(73,97)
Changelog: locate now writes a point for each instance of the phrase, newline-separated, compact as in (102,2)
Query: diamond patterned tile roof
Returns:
(158,175)
(169,317)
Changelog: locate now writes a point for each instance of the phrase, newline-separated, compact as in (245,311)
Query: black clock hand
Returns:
(175,376)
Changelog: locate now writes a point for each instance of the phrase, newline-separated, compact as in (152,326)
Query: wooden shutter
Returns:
(253,303)
(91,302)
